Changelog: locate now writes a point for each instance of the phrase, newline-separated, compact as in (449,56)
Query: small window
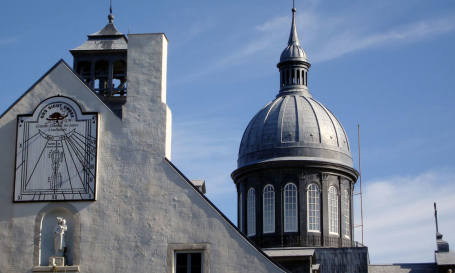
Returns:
(188,262)
(313,208)
(346,214)
(251,208)
(290,208)
(269,209)
(333,210)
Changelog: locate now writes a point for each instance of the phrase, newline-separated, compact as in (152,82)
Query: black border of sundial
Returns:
(96,157)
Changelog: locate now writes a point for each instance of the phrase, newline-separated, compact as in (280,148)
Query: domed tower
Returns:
(295,177)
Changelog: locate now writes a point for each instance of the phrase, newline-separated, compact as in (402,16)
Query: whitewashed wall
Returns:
(143,205)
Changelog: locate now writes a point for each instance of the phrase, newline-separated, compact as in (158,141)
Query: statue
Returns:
(59,237)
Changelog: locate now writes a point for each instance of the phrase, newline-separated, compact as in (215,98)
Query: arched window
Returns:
(251,208)
(240,213)
(287,77)
(290,208)
(333,210)
(269,209)
(313,208)
(346,213)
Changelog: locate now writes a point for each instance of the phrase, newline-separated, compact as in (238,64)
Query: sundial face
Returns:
(56,153)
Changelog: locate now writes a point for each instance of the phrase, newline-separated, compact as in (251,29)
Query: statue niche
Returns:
(57,238)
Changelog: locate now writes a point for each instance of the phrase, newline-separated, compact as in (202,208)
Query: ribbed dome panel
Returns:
(290,126)
(294,127)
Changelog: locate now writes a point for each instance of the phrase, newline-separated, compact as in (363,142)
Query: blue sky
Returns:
(387,65)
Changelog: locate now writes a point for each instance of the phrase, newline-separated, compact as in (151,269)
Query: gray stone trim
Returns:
(203,247)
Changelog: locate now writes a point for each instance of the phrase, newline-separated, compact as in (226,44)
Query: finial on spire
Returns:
(293,39)
(110,16)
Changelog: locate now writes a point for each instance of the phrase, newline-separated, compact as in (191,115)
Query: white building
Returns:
(99,157)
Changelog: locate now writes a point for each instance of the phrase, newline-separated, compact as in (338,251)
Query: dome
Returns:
(293,53)
(294,127)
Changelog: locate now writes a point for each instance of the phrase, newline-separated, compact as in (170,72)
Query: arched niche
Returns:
(44,228)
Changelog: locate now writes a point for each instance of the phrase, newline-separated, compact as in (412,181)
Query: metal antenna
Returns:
(293,4)
(360,178)
(436,217)
(110,9)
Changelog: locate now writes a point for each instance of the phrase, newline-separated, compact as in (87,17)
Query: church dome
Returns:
(294,127)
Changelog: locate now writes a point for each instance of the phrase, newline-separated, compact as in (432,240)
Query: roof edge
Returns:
(224,216)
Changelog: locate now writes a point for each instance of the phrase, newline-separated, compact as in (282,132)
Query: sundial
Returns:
(56,153)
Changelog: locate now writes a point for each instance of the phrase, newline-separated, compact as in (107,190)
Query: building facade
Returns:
(88,185)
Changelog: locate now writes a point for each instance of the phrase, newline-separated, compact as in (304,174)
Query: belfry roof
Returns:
(109,38)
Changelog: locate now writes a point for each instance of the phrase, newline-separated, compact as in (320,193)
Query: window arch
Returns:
(251,208)
(313,205)
(346,213)
(333,210)
(269,209)
(290,207)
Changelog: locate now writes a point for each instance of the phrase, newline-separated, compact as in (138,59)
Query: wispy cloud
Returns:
(10,40)
(333,36)
(353,39)
(399,218)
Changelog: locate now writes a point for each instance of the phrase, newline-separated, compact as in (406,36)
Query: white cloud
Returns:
(329,36)
(399,218)
(9,40)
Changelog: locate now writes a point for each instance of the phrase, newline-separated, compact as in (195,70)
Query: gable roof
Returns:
(224,217)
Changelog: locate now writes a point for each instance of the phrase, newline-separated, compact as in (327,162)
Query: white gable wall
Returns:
(143,205)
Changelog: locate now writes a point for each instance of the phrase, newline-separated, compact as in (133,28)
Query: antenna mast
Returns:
(360,180)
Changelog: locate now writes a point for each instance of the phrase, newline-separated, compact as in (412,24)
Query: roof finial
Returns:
(436,217)
(293,39)
(110,16)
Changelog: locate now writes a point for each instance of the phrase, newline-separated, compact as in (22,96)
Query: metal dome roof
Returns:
(294,127)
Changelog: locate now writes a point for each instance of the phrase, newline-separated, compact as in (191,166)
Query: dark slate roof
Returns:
(343,260)
(403,268)
(445,258)
(109,38)
(109,29)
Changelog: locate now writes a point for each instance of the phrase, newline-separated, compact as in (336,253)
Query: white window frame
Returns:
(268,209)
(251,212)
(346,214)
(287,203)
(172,249)
(333,210)
(317,207)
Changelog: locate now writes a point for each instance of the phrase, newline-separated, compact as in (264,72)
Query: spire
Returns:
(293,65)
(436,217)
(110,16)
(293,38)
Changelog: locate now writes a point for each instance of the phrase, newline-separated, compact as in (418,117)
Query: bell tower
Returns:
(102,62)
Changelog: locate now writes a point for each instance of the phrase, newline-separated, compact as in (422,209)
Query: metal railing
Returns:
(303,240)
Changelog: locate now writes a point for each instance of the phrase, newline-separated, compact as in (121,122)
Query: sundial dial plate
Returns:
(56,153)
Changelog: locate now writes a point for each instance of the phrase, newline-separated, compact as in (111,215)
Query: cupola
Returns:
(102,62)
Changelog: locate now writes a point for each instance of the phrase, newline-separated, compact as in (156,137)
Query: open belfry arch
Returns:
(87,179)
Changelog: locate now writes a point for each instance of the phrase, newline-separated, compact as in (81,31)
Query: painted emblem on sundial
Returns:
(56,153)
